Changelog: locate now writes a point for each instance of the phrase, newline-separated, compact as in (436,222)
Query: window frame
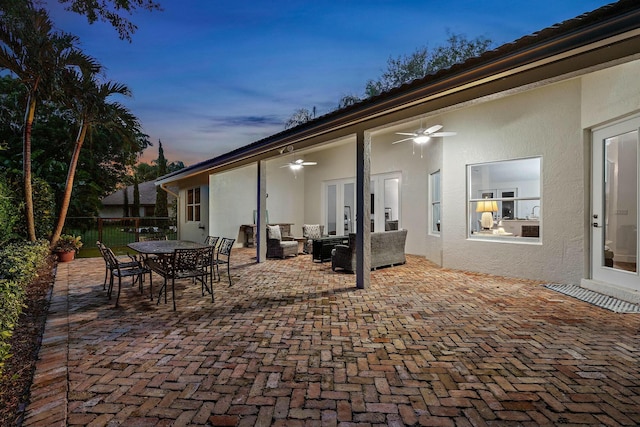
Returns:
(497,190)
(193,204)
(434,230)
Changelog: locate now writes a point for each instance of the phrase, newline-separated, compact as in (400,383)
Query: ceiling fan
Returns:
(422,136)
(298,164)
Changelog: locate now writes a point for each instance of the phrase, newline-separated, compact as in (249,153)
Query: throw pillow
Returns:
(273,232)
(312,231)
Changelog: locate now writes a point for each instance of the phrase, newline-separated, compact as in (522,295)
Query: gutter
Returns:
(600,34)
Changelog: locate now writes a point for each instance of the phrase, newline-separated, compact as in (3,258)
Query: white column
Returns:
(261,206)
(363,210)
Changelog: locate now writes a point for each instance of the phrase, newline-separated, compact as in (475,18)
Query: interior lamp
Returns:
(295,166)
(421,139)
(487,207)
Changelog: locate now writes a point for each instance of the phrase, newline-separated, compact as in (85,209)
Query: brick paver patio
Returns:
(293,344)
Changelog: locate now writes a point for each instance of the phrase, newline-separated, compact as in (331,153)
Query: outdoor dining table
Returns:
(163,247)
(161,252)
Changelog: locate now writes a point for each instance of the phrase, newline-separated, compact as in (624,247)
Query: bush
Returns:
(19,264)
(9,212)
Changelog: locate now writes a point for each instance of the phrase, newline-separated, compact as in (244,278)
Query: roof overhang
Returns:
(584,47)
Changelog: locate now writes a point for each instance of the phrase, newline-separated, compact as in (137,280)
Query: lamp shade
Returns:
(487,206)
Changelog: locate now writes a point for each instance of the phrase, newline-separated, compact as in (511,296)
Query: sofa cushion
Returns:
(311,231)
(273,232)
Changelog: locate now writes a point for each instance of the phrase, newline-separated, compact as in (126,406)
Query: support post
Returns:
(261,206)
(363,210)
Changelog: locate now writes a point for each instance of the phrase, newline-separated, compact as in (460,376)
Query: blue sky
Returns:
(209,76)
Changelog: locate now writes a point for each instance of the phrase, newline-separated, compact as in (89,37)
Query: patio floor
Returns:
(292,343)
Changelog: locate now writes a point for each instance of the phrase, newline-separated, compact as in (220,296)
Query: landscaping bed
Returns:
(17,375)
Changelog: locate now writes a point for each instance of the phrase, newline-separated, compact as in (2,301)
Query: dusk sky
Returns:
(209,76)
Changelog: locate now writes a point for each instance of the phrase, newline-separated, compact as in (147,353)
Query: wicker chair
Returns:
(310,232)
(279,246)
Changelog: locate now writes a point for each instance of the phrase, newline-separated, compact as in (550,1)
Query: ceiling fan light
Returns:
(421,139)
(295,166)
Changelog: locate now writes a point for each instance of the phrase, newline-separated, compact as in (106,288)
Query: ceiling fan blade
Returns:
(432,129)
(443,134)
(402,140)
(285,166)
(309,163)
(408,134)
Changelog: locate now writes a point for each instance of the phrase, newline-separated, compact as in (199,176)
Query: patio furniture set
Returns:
(172,260)
(387,248)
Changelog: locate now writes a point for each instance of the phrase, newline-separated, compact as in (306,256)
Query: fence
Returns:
(117,232)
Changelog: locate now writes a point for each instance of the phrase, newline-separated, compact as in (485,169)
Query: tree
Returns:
(299,117)
(125,203)
(87,99)
(111,11)
(136,197)
(36,54)
(161,195)
(422,62)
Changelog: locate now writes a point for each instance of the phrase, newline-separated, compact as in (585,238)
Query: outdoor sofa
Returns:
(387,249)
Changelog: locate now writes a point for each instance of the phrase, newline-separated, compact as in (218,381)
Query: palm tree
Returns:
(35,53)
(87,98)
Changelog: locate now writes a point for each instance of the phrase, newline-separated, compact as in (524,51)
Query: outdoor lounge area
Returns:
(293,343)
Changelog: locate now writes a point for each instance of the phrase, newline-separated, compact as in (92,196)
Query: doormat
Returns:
(595,298)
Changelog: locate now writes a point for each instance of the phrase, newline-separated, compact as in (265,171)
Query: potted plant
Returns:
(67,247)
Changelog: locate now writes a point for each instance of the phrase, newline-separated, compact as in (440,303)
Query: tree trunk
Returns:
(26,168)
(68,187)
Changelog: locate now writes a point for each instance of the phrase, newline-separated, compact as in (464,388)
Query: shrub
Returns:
(9,212)
(19,264)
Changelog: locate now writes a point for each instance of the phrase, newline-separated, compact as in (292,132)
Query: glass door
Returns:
(340,207)
(614,219)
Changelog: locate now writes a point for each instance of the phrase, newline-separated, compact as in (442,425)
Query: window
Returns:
(434,199)
(504,200)
(193,204)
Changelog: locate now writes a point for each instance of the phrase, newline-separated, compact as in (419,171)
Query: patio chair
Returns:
(184,264)
(211,241)
(278,245)
(311,232)
(223,256)
(131,262)
(125,269)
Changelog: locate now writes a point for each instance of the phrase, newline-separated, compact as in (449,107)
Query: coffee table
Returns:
(322,247)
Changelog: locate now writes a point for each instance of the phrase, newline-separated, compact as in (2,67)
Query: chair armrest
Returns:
(287,239)
(342,249)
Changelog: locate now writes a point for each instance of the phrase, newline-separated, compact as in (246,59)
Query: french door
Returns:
(615,210)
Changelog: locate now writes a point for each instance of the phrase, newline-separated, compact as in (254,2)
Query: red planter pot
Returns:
(66,256)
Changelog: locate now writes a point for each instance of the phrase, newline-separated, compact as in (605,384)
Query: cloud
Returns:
(217,123)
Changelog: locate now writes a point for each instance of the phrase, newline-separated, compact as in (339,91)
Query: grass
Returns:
(114,237)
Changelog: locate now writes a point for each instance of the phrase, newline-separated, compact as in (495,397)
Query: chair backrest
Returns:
(211,241)
(191,260)
(225,246)
(102,248)
(312,231)
(110,258)
(273,232)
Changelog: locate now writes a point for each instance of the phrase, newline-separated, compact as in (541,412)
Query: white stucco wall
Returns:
(543,122)
(232,202)
(285,201)
(610,94)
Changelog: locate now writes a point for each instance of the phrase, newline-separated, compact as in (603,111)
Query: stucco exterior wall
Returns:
(542,122)
(610,94)
(285,201)
(233,199)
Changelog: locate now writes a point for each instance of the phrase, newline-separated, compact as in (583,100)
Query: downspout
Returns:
(165,189)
